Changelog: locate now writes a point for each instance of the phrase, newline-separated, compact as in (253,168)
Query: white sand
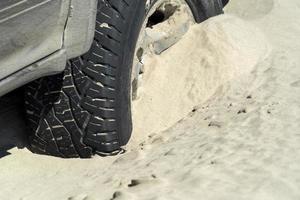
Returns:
(190,72)
(242,142)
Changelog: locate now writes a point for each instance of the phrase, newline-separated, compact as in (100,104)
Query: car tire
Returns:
(87,109)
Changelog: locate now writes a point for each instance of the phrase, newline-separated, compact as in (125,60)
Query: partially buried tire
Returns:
(87,109)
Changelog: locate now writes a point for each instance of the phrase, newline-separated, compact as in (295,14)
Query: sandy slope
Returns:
(243,142)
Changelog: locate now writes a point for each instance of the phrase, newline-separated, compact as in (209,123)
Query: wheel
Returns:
(87,109)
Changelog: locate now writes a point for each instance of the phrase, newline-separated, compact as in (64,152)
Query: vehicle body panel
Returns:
(80,27)
(37,37)
(29,31)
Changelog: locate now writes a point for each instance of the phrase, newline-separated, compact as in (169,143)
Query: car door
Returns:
(29,31)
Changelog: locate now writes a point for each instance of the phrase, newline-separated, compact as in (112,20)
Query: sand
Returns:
(207,57)
(231,131)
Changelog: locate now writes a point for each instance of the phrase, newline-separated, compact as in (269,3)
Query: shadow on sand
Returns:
(12,125)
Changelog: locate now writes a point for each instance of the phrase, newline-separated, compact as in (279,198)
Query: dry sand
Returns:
(230,120)
(189,73)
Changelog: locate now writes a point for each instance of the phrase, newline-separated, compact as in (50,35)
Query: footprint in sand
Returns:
(146,182)
(296,84)
(119,195)
(81,197)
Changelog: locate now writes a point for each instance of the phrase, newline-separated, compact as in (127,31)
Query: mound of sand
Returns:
(186,75)
(240,77)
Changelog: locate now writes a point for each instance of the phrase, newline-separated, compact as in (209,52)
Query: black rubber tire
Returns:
(86,109)
(225,2)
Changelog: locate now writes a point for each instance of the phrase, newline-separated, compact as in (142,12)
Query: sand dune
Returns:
(233,131)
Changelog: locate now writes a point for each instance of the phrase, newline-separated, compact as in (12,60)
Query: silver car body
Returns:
(37,37)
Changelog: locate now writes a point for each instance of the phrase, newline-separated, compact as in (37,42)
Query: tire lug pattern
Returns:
(73,114)
(86,109)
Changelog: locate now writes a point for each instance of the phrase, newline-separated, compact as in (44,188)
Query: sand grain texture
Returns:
(242,140)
